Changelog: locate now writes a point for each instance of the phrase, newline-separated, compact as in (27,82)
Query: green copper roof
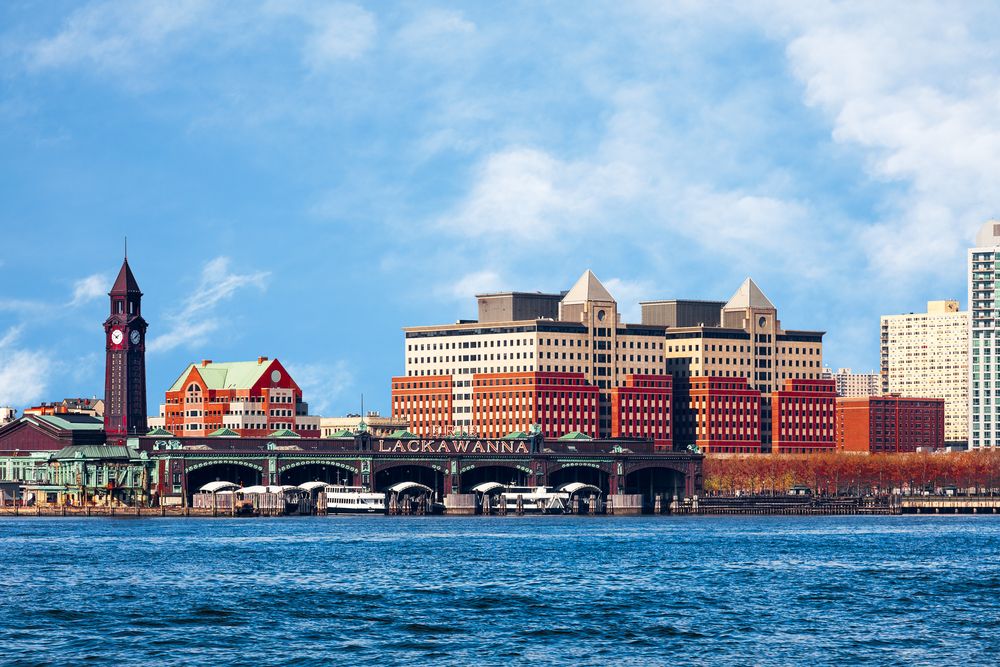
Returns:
(575,435)
(225,375)
(96,452)
(342,433)
(516,435)
(283,433)
(403,434)
(73,422)
(159,430)
(224,433)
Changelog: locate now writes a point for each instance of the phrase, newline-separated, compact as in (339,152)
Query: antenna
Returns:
(126,248)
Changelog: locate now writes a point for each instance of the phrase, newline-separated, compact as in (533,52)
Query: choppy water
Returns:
(352,590)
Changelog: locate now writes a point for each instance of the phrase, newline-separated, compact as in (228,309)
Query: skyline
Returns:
(307,194)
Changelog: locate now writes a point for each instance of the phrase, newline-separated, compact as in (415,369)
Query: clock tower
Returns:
(125,370)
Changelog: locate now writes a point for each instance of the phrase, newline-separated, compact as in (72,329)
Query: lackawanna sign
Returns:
(452,446)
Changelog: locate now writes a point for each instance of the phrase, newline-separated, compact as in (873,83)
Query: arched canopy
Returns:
(573,488)
(216,487)
(487,487)
(313,486)
(403,487)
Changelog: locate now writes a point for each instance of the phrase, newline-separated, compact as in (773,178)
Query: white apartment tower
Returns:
(854,385)
(926,355)
(984,342)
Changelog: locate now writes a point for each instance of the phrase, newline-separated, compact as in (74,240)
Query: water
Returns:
(355,590)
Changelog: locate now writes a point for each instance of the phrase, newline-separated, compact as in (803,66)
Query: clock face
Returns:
(117,336)
(134,337)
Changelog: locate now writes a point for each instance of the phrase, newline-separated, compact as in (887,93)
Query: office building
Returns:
(889,424)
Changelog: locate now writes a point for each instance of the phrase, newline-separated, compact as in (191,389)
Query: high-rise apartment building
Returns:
(984,337)
(850,384)
(926,355)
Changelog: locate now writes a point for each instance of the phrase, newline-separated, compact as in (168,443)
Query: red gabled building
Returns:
(247,398)
(641,409)
(803,417)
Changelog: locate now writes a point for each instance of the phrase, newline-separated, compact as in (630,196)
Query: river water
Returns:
(360,590)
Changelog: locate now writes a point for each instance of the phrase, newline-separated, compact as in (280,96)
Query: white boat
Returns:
(535,499)
(353,499)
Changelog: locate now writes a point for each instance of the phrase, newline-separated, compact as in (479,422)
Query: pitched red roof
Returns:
(125,283)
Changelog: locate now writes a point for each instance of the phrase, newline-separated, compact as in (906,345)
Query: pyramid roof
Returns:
(226,375)
(125,283)
(588,288)
(749,296)
(283,433)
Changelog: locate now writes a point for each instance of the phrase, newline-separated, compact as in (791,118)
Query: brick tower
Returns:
(125,370)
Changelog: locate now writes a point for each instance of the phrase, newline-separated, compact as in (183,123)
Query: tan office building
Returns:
(926,355)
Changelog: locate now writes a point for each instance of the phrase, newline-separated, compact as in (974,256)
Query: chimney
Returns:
(205,362)
(261,360)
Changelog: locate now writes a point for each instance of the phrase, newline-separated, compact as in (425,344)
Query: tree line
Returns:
(854,474)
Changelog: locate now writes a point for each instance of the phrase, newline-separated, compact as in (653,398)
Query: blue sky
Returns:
(301,180)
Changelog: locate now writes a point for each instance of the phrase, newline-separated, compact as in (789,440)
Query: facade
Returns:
(851,385)
(248,398)
(721,416)
(642,407)
(748,343)
(889,424)
(926,355)
(444,364)
(984,341)
(558,403)
(803,416)
(372,422)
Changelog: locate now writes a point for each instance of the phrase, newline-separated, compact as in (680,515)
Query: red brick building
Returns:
(803,417)
(559,403)
(248,398)
(889,424)
(725,414)
(641,408)
(425,402)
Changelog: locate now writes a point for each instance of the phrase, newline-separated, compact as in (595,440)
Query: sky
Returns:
(301,180)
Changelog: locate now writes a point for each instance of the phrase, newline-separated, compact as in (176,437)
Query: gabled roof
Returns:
(515,435)
(402,434)
(125,283)
(342,433)
(225,375)
(224,433)
(283,433)
(72,422)
(587,288)
(575,435)
(117,452)
(749,296)
(159,430)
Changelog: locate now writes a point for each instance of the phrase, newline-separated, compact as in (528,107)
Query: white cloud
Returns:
(89,288)
(477,282)
(628,294)
(322,384)
(200,315)
(437,32)
(341,32)
(118,36)
(24,374)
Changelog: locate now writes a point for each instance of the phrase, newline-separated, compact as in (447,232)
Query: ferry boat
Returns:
(535,499)
(353,500)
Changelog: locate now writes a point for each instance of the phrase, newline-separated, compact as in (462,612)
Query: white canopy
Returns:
(573,488)
(486,487)
(407,486)
(215,487)
(312,486)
